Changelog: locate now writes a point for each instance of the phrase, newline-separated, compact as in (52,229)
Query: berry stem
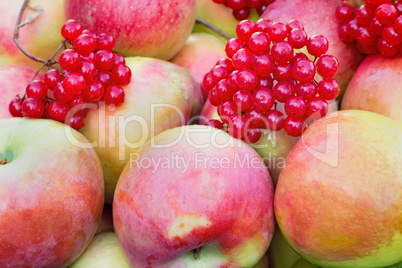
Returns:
(214,28)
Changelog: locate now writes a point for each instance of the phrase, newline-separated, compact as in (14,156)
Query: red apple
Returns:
(199,54)
(141,28)
(51,194)
(338,199)
(185,200)
(41,37)
(14,79)
(376,87)
(318,17)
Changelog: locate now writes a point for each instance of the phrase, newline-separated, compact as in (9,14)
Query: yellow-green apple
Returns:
(106,223)
(161,95)
(41,37)
(51,193)
(15,79)
(194,197)
(338,199)
(199,54)
(376,87)
(318,17)
(155,29)
(104,251)
(219,15)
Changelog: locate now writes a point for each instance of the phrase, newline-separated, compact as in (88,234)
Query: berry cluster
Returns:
(91,73)
(242,8)
(262,72)
(376,26)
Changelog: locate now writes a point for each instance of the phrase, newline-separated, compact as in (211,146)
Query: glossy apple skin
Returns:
(51,194)
(155,29)
(345,209)
(318,17)
(104,251)
(153,82)
(15,79)
(199,55)
(376,87)
(161,215)
(41,37)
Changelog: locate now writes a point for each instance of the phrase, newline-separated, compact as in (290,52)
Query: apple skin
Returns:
(51,194)
(104,251)
(312,13)
(162,213)
(15,79)
(153,82)
(157,28)
(41,37)
(376,87)
(344,212)
(199,55)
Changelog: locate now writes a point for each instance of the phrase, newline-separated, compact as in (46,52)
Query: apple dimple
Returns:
(6,157)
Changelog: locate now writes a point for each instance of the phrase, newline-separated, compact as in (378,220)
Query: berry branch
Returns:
(213,28)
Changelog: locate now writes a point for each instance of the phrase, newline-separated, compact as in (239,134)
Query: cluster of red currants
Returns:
(242,8)
(91,72)
(262,73)
(376,26)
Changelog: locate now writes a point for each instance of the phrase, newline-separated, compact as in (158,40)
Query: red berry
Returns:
(69,59)
(57,111)
(84,44)
(277,32)
(275,119)
(89,58)
(237,126)
(77,121)
(33,107)
(344,35)
(51,78)
(386,49)
(244,30)
(121,75)
(213,97)
(328,88)
(317,107)
(304,71)
(282,51)
(114,95)
(398,24)
(36,89)
(295,106)
(223,91)
(266,82)
(352,28)
(119,59)
(236,4)
(242,14)
(71,30)
(294,126)
(232,46)
(261,10)
(327,65)
(364,15)
(306,91)
(243,99)
(242,59)
(252,135)
(227,110)
(77,100)
(207,81)
(215,123)
(87,69)
(105,42)
(376,27)
(283,91)
(391,36)
(104,60)
(61,94)
(263,99)
(262,25)
(93,91)
(294,24)
(104,78)
(317,45)
(255,118)
(226,64)
(386,13)
(74,83)
(15,107)
(263,64)
(344,13)
(91,34)
(364,37)
(253,3)
(259,42)
(247,79)
(283,72)
(218,73)
(297,38)
(298,56)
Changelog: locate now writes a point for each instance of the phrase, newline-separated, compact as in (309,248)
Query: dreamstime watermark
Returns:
(129,133)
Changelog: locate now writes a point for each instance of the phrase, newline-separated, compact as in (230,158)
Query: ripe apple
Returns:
(199,54)
(338,199)
(41,37)
(155,29)
(194,196)
(104,251)
(318,17)
(51,194)
(376,87)
(161,95)
(14,79)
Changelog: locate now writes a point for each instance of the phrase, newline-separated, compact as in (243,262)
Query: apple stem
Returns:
(27,21)
(3,162)
(196,253)
(214,28)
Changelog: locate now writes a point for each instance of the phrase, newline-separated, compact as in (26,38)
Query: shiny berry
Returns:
(259,42)
(15,107)
(74,83)
(317,107)
(61,94)
(344,13)
(247,80)
(84,44)
(263,99)
(283,91)
(386,13)
(263,64)
(297,38)
(105,42)
(57,111)
(243,99)
(71,30)
(215,123)
(307,91)
(327,65)
(93,91)
(36,89)
(121,75)
(295,106)
(282,51)
(33,107)
(51,78)
(328,88)
(317,45)
(303,71)
(242,59)
(294,126)
(232,46)
(69,59)
(294,24)
(87,69)
(114,95)
(227,110)
(76,121)
(277,32)
(275,119)
(104,60)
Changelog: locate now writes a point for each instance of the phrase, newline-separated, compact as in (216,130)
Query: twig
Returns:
(214,28)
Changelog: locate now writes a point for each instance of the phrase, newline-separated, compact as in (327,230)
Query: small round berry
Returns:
(261,10)
(282,51)
(244,30)
(15,107)
(255,118)
(215,123)
(242,14)
(306,91)
(277,32)
(51,78)
(259,42)
(236,4)
(386,49)
(327,66)
(266,82)
(296,57)
(33,107)
(91,34)
(262,25)
(376,27)
(84,44)
(36,89)
(77,100)
(328,88)
(242,59)
(386,13)
(364,37)
(391,36)
(263,64)
(74,83)
(104,60)
(232,46)
(105,41)
(344,35)
(76,121)
(105,78)
(253,3)
(93,91)
(223,91)
(243,99)
(294,24)
(294,126)
(237,126)
(226,64)
(295,106)
(227,110)
(252,135)
(317,107)
(121,75)
(303,71)
(263,99)
(352,28)
(317,45)
(344,13)
(119,59)
(275,119)
(364,15)
(377,2)
(207,81)
(61,94)
(283,72)
(247,80)
(57,111)
(89,58)
(71,30)
(114,95)
(398,24)
(213,97)
(283,91)
(69,59)
(87,69)
(297,38)
(218,73)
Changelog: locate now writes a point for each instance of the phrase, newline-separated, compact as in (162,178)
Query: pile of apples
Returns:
(161,179)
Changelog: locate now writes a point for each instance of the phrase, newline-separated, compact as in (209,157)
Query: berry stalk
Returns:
(213,28)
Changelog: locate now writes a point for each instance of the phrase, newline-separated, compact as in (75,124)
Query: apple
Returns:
(41,37)
(318,17)
(161,95)
(51,193)
(155,29)
(15,79)
(376,87)
(199,54)
(338,199)
(106,223)
(103,252)
(194,197)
